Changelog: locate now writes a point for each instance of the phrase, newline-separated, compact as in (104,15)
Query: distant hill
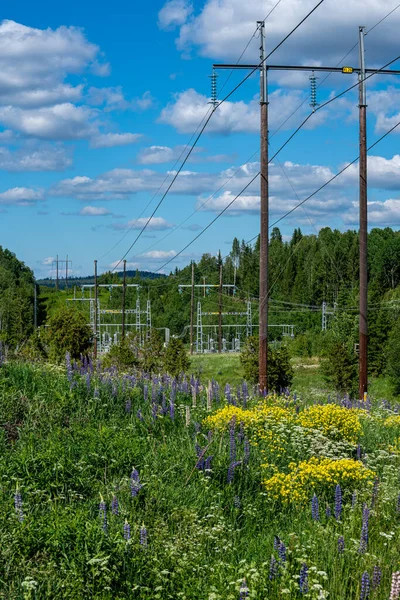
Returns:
(48,282)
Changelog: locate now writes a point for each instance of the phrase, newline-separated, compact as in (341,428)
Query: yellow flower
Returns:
(333,421)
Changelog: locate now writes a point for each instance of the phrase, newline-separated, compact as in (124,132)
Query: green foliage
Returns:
(280,370)
(122,355)
(152,353)
(176,360)
(68,332)
(393,358)
(340,362)
(36,348)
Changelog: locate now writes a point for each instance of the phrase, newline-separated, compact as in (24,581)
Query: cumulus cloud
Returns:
(94,211)
(155,224)
(48,261)
(189,107)
(21,196)
(129,265)
(383,173)
(154,155)
(174,13)
(158,254)
(113,98)
(109,140)
(35,158)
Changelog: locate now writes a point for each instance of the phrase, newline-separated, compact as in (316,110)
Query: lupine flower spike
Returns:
(273,568)
(338,502)
(303,583)
(315,508)
(115,505)
(395,589)
(143,536)
(365,586)
(376,577)
(244,591)
(127,531)
(340,544)
(18,504)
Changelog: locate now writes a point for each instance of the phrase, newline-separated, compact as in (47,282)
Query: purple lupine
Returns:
(364,530)
(303,582)
(88,381)
(172,409)
(115,505)
(273,568)
(236,502)
(145,392)
(143,536)
(246,451)
(68,366)
(315,508)
(127,531)
(128,406)
(328,511)
(164,403)
(354,499)
(103,513)
(231,470)
(197,427)
(359,452)
(232,441)
(207,463)
(209,436)
(96,393)
(365,586)
(200,464)
(338,502)
(136,486)
(240,435)
(376,577)
(154,409)
(282,552)
(245,393)
(340,544)
(18,505)
(228,393)
(139,415)
(277,542)
(375,491)
(244,590)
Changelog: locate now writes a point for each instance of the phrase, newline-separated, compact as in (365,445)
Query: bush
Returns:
(393,358)
(340,368)
(122,355)
(68,332)
(280,370)
(176,360)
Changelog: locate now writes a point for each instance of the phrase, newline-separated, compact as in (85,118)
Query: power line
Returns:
(206,123)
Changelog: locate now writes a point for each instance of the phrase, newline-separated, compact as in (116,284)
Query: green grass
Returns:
(65,448)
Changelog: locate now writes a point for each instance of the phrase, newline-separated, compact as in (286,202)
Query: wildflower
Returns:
(273,568)
(209,436)
(232,442)
(127,531)
(340,544)
(187,416)
(103,512)
(18,505)
(128,406)
(303,583)
(395,589)
(197,427)
(207,463)
(244,590)
(145,392)
(88,380)
(365,586)
(231,470)
(359,452)
(115,505)
(315,508)
(68,366)
(364,530)
(282,552)
(172,409)
(328,511)
(338,502)
(334,421)
(240,435)
(277,542)
(136,486)
(376,577)
(143,536)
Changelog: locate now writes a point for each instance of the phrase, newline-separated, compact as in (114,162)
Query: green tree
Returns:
(280,371)
(393,357)
(68,332)
(176,360)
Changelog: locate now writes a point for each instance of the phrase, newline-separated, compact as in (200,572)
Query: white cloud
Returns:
(189,108)
(383,173)
(155,155)
(21,196)
(109,140)
(129,265)
(155,224)
(48,261)
(94,211)
(35,158)
(62,121)
(158,254)
(174,13)
(144,102)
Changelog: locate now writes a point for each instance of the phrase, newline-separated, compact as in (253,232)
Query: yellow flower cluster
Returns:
(333,421)
(393,421)
(253,418)
(313,476)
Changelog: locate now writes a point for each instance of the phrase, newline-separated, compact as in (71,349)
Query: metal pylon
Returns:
(138,315)
(199,337)
(148,318)
(249,324)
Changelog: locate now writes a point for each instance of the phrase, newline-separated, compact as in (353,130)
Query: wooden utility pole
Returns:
(95,311)
(123,301)
(363,323)
(220,311)
(263,295)
(192,310)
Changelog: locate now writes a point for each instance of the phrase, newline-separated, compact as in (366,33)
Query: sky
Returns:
(99,101)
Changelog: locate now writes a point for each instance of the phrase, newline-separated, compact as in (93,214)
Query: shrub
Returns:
(340,368)
(176,360)
(393,358)
(122,355)
(68,332)
(280,370)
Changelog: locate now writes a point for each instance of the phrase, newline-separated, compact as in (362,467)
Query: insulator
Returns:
(214,100)
(313,94)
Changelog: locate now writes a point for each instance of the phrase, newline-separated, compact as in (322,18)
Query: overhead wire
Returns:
(202,129)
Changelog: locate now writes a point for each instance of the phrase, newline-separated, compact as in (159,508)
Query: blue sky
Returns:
(97,103)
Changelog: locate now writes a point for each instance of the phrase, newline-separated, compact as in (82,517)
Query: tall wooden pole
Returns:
(95,311)
(192,311)
(363,323)
(263,299)
(123,302)
(220,311)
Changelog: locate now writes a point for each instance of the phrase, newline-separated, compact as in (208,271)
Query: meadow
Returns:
(119,486)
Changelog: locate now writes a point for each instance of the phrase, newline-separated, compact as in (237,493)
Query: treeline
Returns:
(16,300)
